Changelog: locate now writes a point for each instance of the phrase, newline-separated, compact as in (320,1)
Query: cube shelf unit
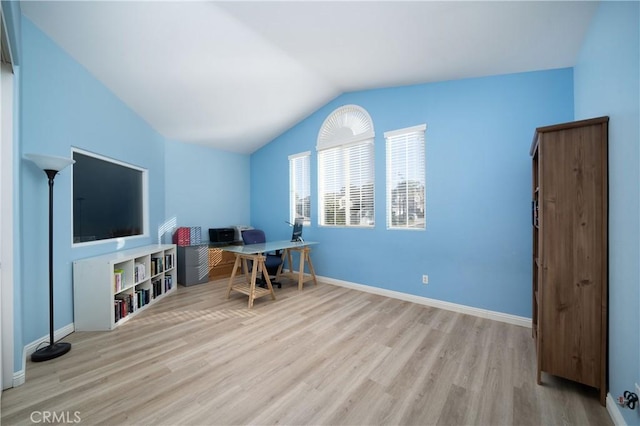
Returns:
(110,289)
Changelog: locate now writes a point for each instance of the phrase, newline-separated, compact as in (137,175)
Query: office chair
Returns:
(271,261)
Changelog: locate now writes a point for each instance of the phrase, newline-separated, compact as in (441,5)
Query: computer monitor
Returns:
(297,230)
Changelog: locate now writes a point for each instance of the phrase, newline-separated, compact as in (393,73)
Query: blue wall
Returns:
(478,177)
(606,83)
(62,106)
(206,187)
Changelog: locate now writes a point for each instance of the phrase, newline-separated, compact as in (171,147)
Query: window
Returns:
(299,187)
(345,169)
(406,198)
(109,199)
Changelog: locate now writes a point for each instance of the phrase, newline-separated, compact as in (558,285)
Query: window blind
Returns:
(346,185)
(406,194)
(300,187)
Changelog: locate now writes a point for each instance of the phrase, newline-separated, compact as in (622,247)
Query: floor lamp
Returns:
(51,166)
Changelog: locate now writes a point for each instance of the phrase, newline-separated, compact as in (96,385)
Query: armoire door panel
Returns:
(570,251)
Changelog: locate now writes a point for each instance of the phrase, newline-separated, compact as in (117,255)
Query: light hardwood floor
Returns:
(324,356)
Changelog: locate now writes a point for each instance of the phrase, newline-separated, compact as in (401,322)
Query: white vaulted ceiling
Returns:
(234,75)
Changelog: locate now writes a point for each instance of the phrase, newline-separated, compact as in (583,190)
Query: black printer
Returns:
(222,236)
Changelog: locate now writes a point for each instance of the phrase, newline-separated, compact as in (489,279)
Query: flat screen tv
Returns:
(109,198)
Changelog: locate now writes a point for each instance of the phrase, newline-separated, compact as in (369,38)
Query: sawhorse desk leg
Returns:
(304,257)
(248,287)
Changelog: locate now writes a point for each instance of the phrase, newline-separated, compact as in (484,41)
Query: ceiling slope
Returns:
(234,75)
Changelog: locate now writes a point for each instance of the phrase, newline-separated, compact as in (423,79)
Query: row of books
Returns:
(157,265)
(160,264)
(127,303)
(119,282)
(159,287)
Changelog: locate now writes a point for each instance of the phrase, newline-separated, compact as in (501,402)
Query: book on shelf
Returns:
(139,272)
(118,275)
(117,310)
(122,306)
(133,303)
(142,297)
(168,282)
(156,285)
(157,265)
(169,260)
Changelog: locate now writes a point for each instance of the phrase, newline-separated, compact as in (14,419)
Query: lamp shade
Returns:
(50,162)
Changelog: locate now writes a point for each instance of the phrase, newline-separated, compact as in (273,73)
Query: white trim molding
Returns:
(345,125)
(8,222)
(399,132)
(614,411)
(463,309)
(19,376)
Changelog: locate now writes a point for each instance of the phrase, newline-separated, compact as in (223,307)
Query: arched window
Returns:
(345,168)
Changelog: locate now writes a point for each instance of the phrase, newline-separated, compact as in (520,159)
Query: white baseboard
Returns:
(614,411)
(469,310)
(19,377)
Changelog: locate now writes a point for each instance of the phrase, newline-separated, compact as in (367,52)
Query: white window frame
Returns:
(405,161)
(300,185)
(346,169)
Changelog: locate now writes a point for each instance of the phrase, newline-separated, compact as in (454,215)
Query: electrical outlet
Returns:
(425,279)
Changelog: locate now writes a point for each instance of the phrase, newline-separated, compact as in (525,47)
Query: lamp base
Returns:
(51,352)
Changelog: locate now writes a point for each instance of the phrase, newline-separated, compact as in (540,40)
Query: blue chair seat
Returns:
(272,261)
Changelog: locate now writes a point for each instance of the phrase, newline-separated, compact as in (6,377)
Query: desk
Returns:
(254,252)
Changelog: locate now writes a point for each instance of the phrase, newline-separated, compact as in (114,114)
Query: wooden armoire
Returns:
(569,218)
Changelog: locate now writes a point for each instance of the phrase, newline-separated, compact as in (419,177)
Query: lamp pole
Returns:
(51,166)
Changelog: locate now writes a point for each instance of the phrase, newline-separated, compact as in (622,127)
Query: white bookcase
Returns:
(110,289)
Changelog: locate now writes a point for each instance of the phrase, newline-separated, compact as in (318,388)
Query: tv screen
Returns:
(108,198)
